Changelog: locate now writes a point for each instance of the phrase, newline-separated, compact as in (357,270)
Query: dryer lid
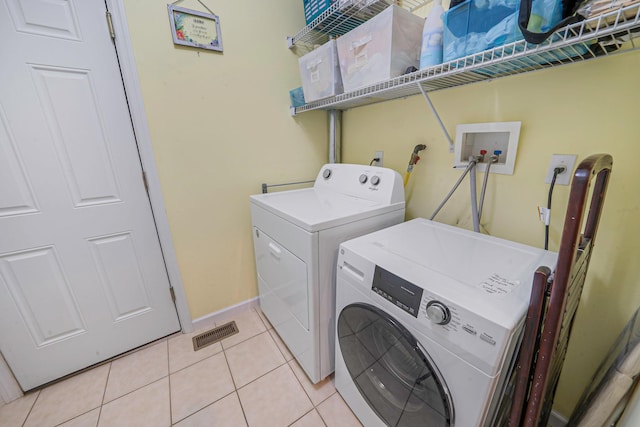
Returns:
(317,209)
(341,193)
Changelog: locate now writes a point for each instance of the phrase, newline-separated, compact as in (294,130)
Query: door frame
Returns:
(9,388)
(145,148)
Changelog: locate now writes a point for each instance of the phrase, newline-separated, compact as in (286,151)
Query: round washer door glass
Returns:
(389,368)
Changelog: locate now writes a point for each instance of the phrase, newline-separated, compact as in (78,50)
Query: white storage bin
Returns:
(320,72)
(380,49)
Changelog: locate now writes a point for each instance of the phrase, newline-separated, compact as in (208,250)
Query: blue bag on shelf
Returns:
(531,11)
(477,25)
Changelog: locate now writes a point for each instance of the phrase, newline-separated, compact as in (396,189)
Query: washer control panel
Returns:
(475,338)
(402,294)
(472,337)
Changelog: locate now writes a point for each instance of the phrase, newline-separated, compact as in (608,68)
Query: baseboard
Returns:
(209,320)
(557,420)
(9,388)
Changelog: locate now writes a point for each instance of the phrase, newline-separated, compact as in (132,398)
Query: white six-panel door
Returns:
(81,272)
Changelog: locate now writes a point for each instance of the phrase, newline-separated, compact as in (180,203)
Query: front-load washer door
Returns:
(393,373)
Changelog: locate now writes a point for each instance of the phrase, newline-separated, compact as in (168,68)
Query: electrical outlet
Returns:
(557,160)
(378,155)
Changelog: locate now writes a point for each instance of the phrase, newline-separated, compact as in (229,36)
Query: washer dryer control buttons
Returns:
(487,338)
(363,178)
(326,173)
(375,180)
(469,329)
(438,313)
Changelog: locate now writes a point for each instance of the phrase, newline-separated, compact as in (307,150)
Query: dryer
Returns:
(296,236)
(428,319)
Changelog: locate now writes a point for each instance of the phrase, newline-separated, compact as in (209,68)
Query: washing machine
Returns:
(428,320)
(296,235)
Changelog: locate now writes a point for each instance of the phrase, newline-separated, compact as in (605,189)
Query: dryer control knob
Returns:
(326,173)
(375,180)
(438,313)
(363,178)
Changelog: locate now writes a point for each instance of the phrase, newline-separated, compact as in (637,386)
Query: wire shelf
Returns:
(342,17)
(603,35)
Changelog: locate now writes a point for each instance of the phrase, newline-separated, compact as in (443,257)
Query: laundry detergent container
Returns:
(320,72)
(380,49)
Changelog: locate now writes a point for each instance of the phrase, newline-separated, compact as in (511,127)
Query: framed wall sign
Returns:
(195,29)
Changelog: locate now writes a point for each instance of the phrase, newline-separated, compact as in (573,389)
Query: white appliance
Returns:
(428,317)
(296,236)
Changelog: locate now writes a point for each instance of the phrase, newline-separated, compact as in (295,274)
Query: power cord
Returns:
(557,171)
(374,160)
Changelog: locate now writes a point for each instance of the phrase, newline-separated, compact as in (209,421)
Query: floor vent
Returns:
(214,335)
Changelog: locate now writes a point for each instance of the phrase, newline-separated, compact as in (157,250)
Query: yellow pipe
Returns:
(406,178)
(412,161)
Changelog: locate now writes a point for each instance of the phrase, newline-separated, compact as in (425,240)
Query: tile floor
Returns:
(248,379)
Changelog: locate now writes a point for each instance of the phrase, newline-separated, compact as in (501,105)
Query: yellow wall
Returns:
(220,127)
(576,109)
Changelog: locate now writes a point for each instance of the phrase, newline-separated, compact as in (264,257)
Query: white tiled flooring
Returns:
(248,379)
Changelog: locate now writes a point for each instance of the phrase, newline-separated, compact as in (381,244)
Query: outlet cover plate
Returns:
(566,160)
(378,155)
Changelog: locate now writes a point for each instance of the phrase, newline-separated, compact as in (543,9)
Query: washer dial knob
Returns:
(363,178)
(438,313)
(326,173)
(375,180)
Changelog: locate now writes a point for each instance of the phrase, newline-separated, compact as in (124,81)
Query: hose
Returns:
(474,196)
(455,187)
(493,159)
(412,161)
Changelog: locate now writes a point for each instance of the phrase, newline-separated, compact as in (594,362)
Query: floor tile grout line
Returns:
(323,400)
(278,347)
(258,377)
(226,360)
(327,398)
(240,342)
(288,362)
(307,413)
(104,393)
(31,409)
(203,408)
(92,409)
(263,317)
(169,381)
(128,393)
(81,415)
(266,373)
(135,389)
(300,382)
(195,363)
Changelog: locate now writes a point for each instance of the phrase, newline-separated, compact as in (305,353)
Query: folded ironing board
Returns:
(554,301)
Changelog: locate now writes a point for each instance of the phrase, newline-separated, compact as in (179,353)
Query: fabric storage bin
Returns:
(320,72)
(380,49)
(477,25)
